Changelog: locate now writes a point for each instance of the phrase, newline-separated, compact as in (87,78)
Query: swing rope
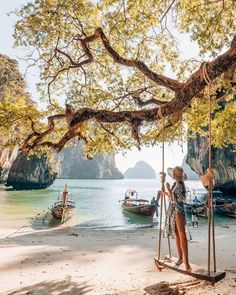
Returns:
(211,222)
(207,180)
(163,176)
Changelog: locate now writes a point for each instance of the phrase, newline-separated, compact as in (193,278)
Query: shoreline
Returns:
(70,260)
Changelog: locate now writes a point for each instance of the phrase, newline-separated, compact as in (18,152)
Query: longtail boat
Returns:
(198,209)
(189,206)
(137,206)
(228,210)
(220,202)
(64,208)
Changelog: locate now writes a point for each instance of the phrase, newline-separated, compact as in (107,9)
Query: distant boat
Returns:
(142,207)
(228,210)
(64,208)
(195,204)
(221,202)
(217,194)
(199,208)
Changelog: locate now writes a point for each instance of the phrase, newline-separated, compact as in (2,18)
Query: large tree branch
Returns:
(151,101)
(196,83)
(39,137)
(134,63)
(142,67)
(71,133)
(215,68)
(143,103)
(193,86)
(223,63)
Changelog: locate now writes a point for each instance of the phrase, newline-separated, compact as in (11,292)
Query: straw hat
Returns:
(178,172)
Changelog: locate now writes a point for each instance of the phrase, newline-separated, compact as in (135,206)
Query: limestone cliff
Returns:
(7,157)
(223,161)
(140,170)
(30,173)
(191,175)
(72,164)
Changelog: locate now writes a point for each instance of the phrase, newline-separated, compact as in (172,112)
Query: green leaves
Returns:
(17,110)
(210,23)
(147,31)
(223,115)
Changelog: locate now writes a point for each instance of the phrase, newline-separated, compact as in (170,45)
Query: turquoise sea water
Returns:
(97,203)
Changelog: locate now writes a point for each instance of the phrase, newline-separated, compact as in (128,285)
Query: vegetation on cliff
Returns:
(17,111)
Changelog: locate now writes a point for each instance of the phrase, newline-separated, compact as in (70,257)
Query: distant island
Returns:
(72,164)
(140,170)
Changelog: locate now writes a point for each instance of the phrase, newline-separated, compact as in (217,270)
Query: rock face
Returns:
(73,165)
(223,161)
(30,173)
(7,157)
(140,170)
(22,172)
(190,173)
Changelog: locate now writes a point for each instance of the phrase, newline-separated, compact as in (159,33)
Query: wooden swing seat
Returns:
(197,272)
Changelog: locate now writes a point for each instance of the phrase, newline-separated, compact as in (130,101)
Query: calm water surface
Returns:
(98,203)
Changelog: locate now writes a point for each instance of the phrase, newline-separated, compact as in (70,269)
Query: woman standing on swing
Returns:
(176,217)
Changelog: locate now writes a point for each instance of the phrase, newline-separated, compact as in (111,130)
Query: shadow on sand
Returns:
(65,287)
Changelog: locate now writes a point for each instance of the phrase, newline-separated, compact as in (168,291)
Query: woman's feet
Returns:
(188,267)
(178,263)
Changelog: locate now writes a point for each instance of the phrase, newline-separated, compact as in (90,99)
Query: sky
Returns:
(174,153)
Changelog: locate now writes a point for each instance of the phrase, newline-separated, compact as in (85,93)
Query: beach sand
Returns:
(69,260)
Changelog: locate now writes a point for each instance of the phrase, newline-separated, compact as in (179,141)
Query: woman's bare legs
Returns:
(180,225)
(179,249)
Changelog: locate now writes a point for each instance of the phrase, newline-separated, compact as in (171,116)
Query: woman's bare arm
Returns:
(169,192)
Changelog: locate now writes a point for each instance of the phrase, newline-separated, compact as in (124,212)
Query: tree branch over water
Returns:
(184,94)
(109,61)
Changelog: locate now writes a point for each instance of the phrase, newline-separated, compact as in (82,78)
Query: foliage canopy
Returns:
(17,110)
(109,59)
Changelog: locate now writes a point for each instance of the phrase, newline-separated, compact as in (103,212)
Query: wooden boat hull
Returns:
(57,213)
(143,210)
(227,212)
(200,209)
(189,207)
